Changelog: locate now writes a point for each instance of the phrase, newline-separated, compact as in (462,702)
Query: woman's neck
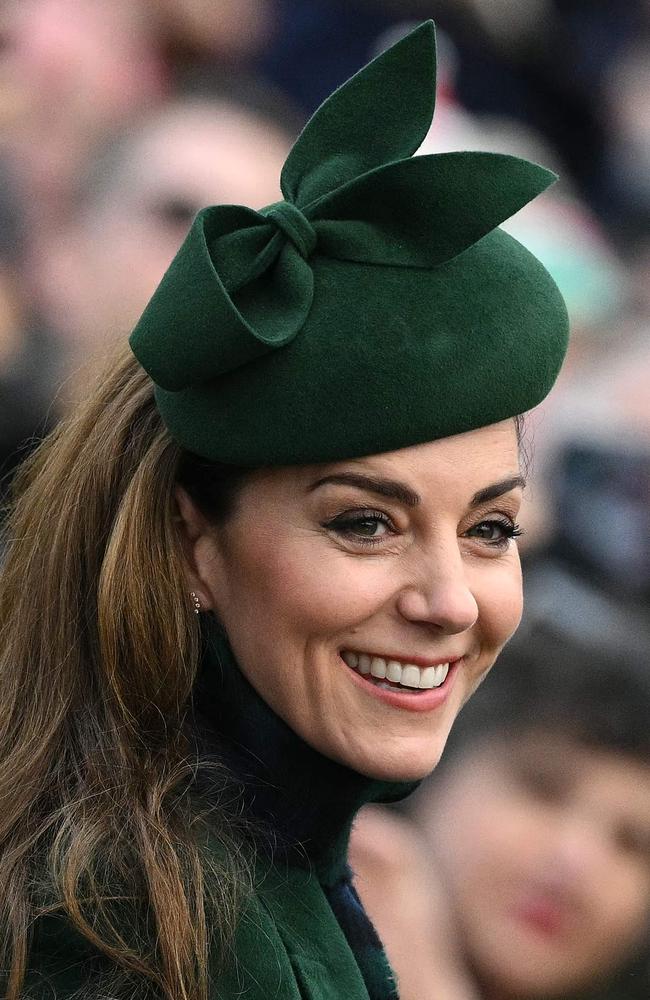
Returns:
(301,803)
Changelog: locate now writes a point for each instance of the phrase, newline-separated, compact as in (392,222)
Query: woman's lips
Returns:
(413,699)
(405,673)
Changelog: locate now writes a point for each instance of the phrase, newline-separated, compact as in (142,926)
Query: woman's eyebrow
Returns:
(391,488)
(396,490)
(497,490)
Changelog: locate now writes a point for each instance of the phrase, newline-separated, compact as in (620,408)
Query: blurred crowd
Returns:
(118,121)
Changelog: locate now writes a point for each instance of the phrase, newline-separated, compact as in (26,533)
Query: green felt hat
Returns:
(378,306)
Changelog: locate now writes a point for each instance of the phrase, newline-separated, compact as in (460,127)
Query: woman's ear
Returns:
(200,550)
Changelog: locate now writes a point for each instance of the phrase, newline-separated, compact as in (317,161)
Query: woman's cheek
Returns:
(335,589)
(500,600)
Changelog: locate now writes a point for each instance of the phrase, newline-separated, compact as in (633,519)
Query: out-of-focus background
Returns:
(119,119)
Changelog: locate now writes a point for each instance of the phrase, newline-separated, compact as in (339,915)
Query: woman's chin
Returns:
(399,766)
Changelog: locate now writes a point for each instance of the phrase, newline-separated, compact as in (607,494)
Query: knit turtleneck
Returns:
(302,799)
(300,803)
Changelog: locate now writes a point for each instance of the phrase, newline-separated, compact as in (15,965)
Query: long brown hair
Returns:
(99,648)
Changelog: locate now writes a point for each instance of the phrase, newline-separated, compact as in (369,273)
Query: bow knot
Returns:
(294,225)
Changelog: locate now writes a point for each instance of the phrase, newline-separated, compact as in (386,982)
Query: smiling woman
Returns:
(415,572)
(253,579)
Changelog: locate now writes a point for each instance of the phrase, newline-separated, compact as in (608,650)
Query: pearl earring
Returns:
(197,603)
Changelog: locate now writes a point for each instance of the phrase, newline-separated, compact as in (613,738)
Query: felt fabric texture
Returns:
(377,306)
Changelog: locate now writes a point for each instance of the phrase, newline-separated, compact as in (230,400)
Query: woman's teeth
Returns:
(404,674)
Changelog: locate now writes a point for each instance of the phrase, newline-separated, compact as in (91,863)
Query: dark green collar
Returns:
(301,803)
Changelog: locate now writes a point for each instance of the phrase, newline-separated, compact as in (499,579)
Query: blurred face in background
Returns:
(231,29)
(544,846)
(93,282)
(69,70)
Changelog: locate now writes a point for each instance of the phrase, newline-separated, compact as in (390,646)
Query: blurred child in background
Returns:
(527,875)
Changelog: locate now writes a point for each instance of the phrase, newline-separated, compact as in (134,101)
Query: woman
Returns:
(181,786)
(530,872)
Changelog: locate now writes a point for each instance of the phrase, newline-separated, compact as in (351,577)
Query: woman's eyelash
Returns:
(353,524)
(509,529)
(362,527)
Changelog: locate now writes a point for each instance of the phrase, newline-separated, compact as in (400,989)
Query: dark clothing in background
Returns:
(552,79)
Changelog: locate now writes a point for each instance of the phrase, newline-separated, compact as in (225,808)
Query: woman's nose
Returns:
(440,595)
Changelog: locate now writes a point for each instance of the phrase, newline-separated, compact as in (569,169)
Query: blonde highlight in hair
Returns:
(99,649)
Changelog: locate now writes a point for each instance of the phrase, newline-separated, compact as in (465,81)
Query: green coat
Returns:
(289,944)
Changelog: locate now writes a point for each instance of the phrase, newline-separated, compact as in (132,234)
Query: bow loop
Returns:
(426,210)
(235,291)
(295,226)
(381,114)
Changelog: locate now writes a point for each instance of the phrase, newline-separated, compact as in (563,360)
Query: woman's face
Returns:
(402,563)
(544,847)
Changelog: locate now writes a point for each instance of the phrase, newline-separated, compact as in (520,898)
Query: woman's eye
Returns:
(496,531)
(364,526)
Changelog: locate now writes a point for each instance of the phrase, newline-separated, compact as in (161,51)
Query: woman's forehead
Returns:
(473,460)
(458,467)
